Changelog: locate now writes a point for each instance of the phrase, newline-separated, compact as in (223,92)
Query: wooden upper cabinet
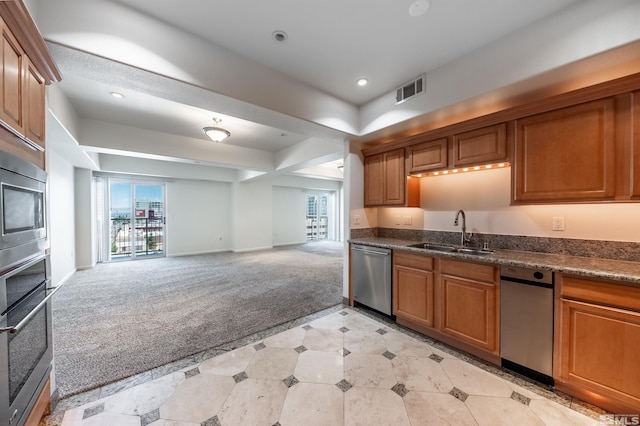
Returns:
(386,182)
(480,146)
(11,81)
(373,180)
(635,145)
(34,105)
(566,154)
(427,156)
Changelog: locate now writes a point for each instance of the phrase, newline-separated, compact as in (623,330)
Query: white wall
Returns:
(198,217)
(289,213)
(252,215)
(61,218)
(84,218)
(485,197)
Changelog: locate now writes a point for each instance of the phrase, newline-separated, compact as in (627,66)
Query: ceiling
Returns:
(180,64)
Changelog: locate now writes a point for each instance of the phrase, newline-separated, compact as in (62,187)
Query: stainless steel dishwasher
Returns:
(526,322)
(371,277)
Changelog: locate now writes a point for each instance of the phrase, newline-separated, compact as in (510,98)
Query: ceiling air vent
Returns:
(410,89)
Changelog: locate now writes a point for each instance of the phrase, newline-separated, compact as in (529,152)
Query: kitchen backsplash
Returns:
(617,250)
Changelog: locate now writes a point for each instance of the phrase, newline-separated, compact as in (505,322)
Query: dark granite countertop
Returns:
(584,266)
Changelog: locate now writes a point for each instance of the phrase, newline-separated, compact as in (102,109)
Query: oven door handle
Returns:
(19,326)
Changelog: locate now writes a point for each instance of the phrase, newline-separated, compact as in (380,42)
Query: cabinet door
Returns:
(34,104)
(566,155)
(11,81)
(598,351)
(426,156)
(470,311)
(635,145)
(413,294)
(395,178)
(373,180)
(480,146)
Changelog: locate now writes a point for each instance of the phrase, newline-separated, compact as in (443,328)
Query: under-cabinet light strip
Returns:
(461,170)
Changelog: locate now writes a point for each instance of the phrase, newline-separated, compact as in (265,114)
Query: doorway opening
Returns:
(131,219)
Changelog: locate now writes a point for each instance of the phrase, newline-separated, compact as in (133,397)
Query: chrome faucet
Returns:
(465,238)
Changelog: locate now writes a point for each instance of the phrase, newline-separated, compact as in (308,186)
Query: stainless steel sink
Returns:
(450,249)
(473,251)
(436,247)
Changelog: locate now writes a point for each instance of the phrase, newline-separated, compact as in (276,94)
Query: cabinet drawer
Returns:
(606,293)
(413,260)
(476,271)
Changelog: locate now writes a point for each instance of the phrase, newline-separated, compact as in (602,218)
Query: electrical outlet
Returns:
(558,223)
(356,219)
(407,220)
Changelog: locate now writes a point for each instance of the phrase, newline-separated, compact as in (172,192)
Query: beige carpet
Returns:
(119,319)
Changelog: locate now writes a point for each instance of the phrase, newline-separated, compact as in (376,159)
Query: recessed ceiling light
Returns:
(362,82)
(117,95)
(279,36)
(419,7)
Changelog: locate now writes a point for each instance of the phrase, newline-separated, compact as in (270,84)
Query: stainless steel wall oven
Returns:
(26,349)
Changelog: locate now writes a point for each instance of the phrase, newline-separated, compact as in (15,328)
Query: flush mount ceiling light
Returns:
(117,95)
(216,133)
(419,7)
(362,81)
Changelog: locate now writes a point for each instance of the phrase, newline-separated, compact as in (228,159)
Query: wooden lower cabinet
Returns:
(597,338)
(413,290)
(456,302)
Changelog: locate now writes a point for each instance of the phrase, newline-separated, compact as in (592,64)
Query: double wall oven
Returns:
(26,349)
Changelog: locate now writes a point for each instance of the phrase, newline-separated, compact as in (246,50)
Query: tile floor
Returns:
(344,368)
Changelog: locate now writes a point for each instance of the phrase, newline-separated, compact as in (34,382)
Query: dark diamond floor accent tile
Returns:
(300,349)
(381,332)
(277,424)
(436,358)
(343,329)
(213,421)
(343,385)
(290,381)
(259,346)
(240,377)
(344,352)
(92,411)
(150,417)
(462,396)
(521,398)
(344,314)
(190,373)
(389,355)
(400,389)
(307,327)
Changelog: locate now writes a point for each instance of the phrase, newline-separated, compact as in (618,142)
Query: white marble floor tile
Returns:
(365,342)
(333,321)
(254,402)
(162,422)
(421,374)
(401,344)
(111,419)
(360,322)
(319,367)
(272,363)
(321,339)
(229,364)
(473,380)
(146,397)
(494,411)
(72,417)
(287,339)
(198,398)
(552,413)
(436,409)
(372,371)
(313,404)
(368,407)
